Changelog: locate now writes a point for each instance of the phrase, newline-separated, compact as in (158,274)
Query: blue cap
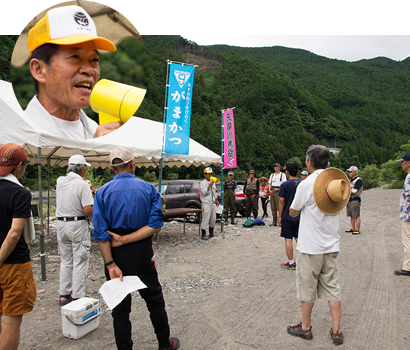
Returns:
(405,157)
(277,164)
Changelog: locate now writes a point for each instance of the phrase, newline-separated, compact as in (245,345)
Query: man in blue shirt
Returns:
(289,225)
(405,216)
(127,213)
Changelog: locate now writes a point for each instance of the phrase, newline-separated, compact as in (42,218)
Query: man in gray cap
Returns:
(353,207)
(405,216)
(74,207)
(229,198)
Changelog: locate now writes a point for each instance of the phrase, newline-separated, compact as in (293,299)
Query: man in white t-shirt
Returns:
(65,67)
(319,200)
(74,208)
(275,180)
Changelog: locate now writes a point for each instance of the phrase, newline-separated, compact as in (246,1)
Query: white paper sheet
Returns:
(114,291)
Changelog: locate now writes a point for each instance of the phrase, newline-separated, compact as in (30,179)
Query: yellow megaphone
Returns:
(215,179)
(115,102)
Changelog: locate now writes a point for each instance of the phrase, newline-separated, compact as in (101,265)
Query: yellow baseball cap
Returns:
(66,25)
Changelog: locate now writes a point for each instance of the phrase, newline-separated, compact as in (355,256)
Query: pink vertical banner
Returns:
(229,140)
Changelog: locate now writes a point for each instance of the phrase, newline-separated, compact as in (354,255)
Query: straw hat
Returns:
(331,191)
(263,178)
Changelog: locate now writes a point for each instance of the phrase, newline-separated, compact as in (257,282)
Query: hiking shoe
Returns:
(288,266)
(337,337)
(173,344)
(356,233)
(297,331)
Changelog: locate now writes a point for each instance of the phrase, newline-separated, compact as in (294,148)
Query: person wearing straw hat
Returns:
(405,216)
(17,285)
(65,67)
(264,195)
(127,213)
(74,209)
(318,200)
(209,200)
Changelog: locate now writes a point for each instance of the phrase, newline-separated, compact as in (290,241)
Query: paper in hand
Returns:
(114,291)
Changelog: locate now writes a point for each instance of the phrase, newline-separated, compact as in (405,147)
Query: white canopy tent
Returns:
(142,136)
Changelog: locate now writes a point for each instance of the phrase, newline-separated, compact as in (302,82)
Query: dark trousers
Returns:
(251,204)
(265,205)
(136,259)
(229,203)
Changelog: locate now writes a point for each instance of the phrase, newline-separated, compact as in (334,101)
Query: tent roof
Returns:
(142,136)
(110,24)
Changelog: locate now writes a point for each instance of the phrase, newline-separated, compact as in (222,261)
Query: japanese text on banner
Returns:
(178,122)
(230,160)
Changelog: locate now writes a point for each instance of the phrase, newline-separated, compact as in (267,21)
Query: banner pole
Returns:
(164,129)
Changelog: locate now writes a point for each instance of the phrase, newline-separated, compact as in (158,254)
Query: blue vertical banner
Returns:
(178,121)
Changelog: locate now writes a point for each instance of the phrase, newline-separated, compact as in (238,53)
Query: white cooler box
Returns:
(80,317)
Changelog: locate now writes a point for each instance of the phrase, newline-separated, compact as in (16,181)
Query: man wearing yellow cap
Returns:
(65,68)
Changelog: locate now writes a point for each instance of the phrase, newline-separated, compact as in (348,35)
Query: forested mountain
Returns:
(284,99)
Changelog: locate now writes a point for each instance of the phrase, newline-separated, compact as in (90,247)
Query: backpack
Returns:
(249,223)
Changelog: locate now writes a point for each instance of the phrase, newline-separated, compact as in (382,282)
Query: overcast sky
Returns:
(348,30)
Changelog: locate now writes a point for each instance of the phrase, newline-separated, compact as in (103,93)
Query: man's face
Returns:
(352,174)
(251,176)
(277,168)
(230,177)
(72,74)
(405,164)
(208,176)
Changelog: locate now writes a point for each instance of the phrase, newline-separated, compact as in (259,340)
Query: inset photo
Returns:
(79,70)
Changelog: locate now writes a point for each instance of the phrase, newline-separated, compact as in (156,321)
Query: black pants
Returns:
(265,205)
(136,259)
(252,204)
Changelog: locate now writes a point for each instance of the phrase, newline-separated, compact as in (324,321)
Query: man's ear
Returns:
(37,69)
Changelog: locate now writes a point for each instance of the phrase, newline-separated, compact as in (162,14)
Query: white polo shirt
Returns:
(81,129)
(318,232)
(73,193)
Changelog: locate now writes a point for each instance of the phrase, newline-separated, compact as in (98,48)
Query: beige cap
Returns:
(122,153)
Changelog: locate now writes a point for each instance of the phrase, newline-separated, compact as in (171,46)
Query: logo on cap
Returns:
(4,159)
(81,19)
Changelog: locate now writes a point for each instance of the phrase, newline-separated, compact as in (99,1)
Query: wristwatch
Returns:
(109,263)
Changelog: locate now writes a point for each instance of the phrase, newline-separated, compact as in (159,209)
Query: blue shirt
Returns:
(287,191)
(405,200)
(126,203)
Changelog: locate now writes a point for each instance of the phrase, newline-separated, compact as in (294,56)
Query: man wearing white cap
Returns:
(74,207)
(353,207)
(209,202)
(65,67)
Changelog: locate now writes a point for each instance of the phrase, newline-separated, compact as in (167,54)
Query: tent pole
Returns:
(40,192)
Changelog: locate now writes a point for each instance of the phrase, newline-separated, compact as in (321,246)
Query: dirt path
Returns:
(230,293)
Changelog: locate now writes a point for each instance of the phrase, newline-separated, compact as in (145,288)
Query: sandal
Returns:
(67,299)
(350,230)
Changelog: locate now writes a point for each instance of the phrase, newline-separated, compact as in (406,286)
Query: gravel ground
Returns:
(230,293)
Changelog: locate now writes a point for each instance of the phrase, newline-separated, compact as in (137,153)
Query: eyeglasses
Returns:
(25,162)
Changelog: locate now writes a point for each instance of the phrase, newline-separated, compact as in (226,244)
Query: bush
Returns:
(172,176)
(370,176)
(149,176)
